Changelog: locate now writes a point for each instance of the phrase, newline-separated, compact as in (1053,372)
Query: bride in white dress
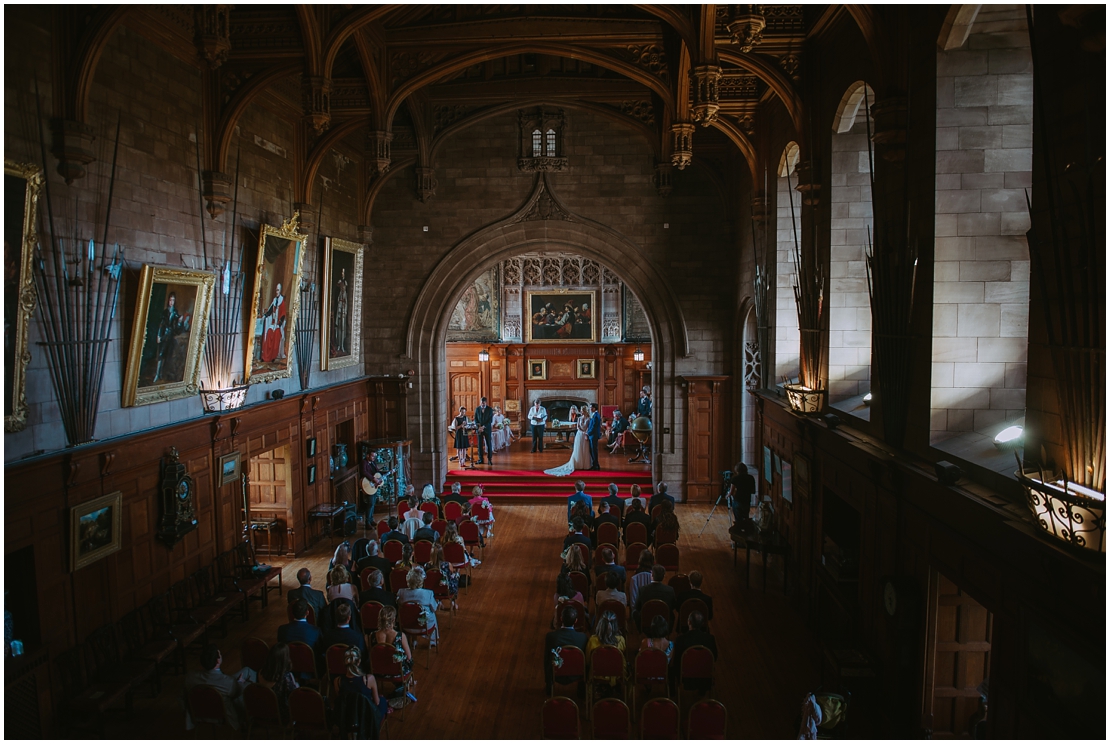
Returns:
(580,455)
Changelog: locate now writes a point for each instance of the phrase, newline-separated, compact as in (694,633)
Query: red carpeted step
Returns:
(527,484)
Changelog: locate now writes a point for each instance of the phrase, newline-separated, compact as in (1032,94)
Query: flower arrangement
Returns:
(556,657)
(422,620)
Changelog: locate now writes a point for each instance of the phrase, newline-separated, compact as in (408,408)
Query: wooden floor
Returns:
(519,456)
(487,680)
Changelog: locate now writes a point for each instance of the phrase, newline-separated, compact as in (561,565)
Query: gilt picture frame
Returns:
(585,369)
(341,306)
(230,465)
(537,369)
(22,188)
(274,303)
(561,316)
(168,335)
(94,530)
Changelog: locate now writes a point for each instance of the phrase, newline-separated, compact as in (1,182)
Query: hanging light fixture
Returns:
(638,355)
(483,355)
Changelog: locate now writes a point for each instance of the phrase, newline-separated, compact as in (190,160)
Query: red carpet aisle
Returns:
(525,484)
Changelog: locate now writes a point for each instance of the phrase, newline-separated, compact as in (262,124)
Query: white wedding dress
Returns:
(580,455)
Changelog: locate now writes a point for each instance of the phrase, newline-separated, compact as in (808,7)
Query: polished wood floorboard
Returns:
(487,679)
(519,456)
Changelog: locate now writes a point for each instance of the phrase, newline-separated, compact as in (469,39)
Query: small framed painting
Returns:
(512,406)
(537,369)
(310,447)
(311,474)
(94,530)
(229,468)
(586,369)
(341,328)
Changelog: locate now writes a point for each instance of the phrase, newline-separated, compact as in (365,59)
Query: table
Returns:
(556,443)
(329,512)
(746,535)
(269,525)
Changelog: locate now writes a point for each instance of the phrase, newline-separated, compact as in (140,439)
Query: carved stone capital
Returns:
(316,95)
(214,33)
(426,183)
(890,116)
(217,191)
(73,147)
(379,147)
(682,150)
(707,96)
(663,173)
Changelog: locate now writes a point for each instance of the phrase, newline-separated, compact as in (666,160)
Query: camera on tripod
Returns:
(726,482)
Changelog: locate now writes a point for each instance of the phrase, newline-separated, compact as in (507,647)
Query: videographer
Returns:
(743,486)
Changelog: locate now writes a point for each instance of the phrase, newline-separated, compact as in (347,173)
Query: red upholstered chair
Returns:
(452,510)
(607,532)
(435,583)
(307,711)
(583,551)
(483,518)
(334,659)
(618,609)
(560,719)
(409,617)
(667,556)
(665,537)
(207,706)
(386,669)
(304,660)
(632,556)
(582,622)
(680,583)
(605,661)
(368,613)
(393,551)
(656,511)
(581,583)
(650,670)
(262,708)
(573,669)
(383,527)
(468,531)
(652,608)
(310,617)
(253,652)
(598,559)
(708,720)
(398,579)
(431,507)
(455,554)
(659,719)
(364,579)
(402,507)
(422,551)
(440,526)
(611,720)
(691,605)
(636,533)
(696,670)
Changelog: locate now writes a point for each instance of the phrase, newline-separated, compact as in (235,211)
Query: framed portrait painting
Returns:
(22,187)
(561,315)
(167,337)
(341,328)
(94,530)
(274,304)
(586,369)
(229,468)
(537,369)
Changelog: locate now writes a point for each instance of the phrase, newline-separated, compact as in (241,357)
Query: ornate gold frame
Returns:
(542,376)
(115,500)
(28,297)
(205,282)
(287,231)
(578,369)
(594,319)
(354,304)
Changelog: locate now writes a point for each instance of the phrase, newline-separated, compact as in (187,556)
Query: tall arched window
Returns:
(787,228)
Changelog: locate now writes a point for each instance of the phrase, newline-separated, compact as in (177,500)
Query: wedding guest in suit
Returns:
(656,589)
(377,592)
(579,495)
(695,592)
(565,635)
(660,496)
(343,632)
(615,502)
(230,688)
(315,598)
(483,419)
(593,433)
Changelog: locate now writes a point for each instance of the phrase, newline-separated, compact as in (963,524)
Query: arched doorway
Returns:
(541,223)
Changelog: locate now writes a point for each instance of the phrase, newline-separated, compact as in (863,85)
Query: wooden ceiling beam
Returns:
(571,31)
(494,91)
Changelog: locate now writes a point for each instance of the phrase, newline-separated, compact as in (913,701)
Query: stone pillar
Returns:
(706,93)
(890,128)
(682,151)
(378,151)
(316,93)
(809,181)
(73,147)
(217,191)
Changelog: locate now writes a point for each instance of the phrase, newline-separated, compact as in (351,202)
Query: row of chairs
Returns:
(659,719)
(450,511)
(117,658)
(637,532)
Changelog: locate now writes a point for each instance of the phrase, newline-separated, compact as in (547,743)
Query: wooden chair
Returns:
(455,554)
(605,662)
(482,515)
(618,609)
(696,671)
(650,670)
(364,579)
(468,531)
(560,719)
(708,719)
(185,633)
(310,617)
(632,556)
(611,719)
(659,719)
(607,532)
(253,652)
(422,551)
(656,511)
(386,669)
(452,510)
(248,563)
(665,537)
(573,669)
(636,533)
(307,712)
(206,705)
(408,616)
(143,641)
(667,556)
(431,507)
(304,661)
(680,582)
(105,663)
(262,708)
(369,613)
(393,550)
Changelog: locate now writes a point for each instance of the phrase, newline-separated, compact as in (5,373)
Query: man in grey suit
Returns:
(230,688)
(316,599)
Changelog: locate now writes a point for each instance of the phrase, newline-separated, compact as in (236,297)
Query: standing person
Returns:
(593,433)
(462,441)
(483,419)
(370,487)
(579,454)
(643,407)
(537,417)
(743,488)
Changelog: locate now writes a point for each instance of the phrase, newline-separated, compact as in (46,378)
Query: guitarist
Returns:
(370,488)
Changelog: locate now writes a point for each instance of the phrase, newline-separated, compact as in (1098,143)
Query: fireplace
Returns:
(558,402)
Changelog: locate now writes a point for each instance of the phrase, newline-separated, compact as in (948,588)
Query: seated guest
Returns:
(315,598)
(564,590)
(656,589)
(426,532)
(277,675)
(300,629)
(581,511)
(611,591)
(456,494)
(616,428)
(604,516)
(342,556)
(695,592)
(468,516)
(636,515)
(356,682)
(695,635)
(394,533)
(578,535)
(667,521)
(387,634)
(342,632)
(606,633)
(341,586)
(642,577)
(414,520)
(565,635)
(485,526)
(610,566)
(415,592)
(656,637)
(414,509)
(407,561)
(230,688)
(450,575)
(633,494)
(376,592)
(615,502)
(428,495)
(374,559)
(452,536)
(660,496)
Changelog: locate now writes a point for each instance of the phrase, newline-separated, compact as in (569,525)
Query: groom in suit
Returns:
(593,432)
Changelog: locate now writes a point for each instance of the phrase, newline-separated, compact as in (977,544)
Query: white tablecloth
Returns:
(500,439)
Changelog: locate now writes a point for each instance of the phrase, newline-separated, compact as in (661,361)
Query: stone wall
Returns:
(788,229)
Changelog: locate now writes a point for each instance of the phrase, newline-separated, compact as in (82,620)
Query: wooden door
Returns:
(269,482)
(961,647)
(707,435)
(464,392)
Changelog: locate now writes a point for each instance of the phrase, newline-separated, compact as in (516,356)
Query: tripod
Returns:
(726,497)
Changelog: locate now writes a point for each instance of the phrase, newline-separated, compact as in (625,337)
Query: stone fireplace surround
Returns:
(560,412)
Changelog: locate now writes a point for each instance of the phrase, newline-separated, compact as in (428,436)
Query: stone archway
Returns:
(542,222)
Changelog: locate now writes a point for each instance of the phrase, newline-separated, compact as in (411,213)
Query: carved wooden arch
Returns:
(775,79)
(737,137)
(427,329)
(310,37)
(682,85)
(463,61)
(315,159)
(850,102)
(85,59)
(957,26)
(376,187)
(480,116)
(244,96)
(674,18)
(347,28)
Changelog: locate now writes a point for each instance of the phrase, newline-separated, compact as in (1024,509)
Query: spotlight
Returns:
(947,473)
(1010,438)
(867,399)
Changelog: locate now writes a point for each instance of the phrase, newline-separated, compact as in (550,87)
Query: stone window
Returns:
(981,274)
(787,229)
(537,143)
(541,140)
(550,143)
